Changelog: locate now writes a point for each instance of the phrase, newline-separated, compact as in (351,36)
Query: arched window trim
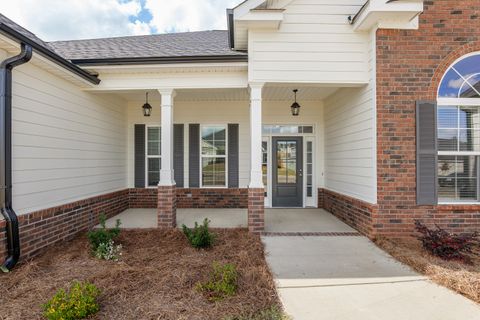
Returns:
(457,100)
(454,158)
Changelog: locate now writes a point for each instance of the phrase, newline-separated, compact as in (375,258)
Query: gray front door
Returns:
(287,177)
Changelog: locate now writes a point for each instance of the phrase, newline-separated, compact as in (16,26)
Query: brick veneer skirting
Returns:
(192,198)
(167,207)
(42,228)
(256,210)
(356,213)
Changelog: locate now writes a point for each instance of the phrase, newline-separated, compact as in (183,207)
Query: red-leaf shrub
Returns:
(448,246)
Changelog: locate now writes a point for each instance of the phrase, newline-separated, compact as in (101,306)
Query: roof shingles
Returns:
(187,44)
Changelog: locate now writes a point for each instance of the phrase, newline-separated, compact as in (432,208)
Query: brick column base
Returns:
(167,207)
(256,212)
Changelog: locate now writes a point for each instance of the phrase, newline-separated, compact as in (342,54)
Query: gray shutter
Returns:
(426,153)
(139,155)
(178,154)
(233,144)
(194,156)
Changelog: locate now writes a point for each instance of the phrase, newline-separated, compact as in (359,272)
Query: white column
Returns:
(166,172)
(256,180)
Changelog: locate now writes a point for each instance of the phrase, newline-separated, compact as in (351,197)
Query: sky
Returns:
(54,20)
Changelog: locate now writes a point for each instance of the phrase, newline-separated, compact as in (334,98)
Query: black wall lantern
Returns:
(295,106)
(147,108)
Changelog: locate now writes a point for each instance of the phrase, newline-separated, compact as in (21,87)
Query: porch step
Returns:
(311,234)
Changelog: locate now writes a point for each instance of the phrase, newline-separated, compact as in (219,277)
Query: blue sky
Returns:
(84,19)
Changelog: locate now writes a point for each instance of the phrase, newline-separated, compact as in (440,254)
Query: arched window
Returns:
(458,125)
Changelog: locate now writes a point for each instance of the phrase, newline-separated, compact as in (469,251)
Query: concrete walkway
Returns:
(276,220)
(349,278)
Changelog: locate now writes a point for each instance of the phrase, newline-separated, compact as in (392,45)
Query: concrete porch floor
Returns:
(276,220)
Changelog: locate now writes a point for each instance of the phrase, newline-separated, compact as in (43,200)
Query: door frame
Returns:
(311,202)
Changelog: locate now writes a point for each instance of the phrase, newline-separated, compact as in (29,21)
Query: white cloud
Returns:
(189,15)
(85,19)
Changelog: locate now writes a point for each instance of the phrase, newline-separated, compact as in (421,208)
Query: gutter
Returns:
(47,53)
(159,60)
(231,28)
(13,233)
(352,19)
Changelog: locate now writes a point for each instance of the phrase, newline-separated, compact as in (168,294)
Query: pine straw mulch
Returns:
(155,278)
(460,277)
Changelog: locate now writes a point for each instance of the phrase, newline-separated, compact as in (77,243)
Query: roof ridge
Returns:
(138,36)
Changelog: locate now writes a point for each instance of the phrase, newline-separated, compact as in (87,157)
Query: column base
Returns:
(167,207)
(256,210)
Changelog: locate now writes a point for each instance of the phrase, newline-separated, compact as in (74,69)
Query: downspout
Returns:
(12,228)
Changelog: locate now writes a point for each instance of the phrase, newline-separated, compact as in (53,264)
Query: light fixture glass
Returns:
(147,108)
(295,106)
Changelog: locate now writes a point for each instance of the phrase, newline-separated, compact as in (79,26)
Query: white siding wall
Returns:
(224,112)
(67,144)
(315,43)
(350,135)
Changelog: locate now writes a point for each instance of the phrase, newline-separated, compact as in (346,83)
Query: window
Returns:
(153,157)
(286,129)
(265,165)
(458,131)
(309,172)
(213,156)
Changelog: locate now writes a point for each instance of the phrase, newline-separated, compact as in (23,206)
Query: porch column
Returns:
(167,204)
(256,216)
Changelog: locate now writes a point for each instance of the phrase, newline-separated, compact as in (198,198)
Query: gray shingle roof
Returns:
(187,44)
(9,23)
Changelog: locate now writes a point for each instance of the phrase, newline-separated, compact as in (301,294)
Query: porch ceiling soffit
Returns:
(181,76)
(11,47)
(254,14)
(270,93)
(388,14)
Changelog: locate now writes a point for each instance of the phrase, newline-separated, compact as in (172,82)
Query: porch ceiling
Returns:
(270,93)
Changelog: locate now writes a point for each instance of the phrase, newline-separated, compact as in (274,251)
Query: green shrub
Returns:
(222,283)
(272,313)
(103,235)
(199,236)
(78,303)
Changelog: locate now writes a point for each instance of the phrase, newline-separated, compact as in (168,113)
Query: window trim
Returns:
(225,156)
(457,102)
(466,56)
(147,156)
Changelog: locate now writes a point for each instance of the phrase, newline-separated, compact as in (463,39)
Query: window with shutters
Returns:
(458,131)
(213,155)
(153,155)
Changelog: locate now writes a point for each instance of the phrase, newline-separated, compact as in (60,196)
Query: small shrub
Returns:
(108,251)
(199,236)
(445,245)
(222,283)
(103,235)
(272,313)
(78,303)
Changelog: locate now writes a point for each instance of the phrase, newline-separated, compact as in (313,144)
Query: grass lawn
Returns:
(460,277)
(154,279)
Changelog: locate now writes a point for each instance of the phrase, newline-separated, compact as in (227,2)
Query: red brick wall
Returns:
(192,198)
(42,228)
(410,65)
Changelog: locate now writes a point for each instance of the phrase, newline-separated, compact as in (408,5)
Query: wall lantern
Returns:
(295,106)
(147,108)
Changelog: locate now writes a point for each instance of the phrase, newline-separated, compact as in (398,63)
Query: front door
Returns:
(287,176)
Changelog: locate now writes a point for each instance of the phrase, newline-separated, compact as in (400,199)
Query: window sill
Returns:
(459,203)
